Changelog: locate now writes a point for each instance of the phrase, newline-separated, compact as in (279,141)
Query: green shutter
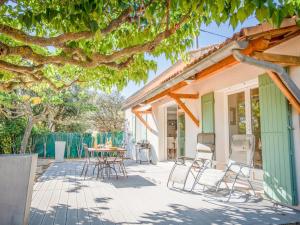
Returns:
(181,133)
(277,147)
(208,113)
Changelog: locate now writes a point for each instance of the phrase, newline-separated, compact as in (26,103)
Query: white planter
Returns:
(60,151)
(16,185)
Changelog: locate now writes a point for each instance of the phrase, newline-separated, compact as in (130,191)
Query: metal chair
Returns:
(239,166)
(96,162)
(117,160)
(181,171)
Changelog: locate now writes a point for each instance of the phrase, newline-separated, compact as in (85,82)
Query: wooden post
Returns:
(284,90)
(140,117)
(185,108)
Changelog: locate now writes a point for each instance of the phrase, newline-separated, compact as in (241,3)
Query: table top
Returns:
(107,149)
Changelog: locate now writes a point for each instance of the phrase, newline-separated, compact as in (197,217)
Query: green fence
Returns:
(44,144)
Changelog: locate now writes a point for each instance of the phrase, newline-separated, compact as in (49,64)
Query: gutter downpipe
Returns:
(206,62)
(275,68)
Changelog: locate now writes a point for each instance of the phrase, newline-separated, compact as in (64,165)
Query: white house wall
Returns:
(191,130)
(153,137)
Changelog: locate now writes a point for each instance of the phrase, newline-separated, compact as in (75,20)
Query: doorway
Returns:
(244,118)
(172,132)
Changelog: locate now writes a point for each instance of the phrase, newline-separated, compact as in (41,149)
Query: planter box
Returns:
(17,174)
(60,151)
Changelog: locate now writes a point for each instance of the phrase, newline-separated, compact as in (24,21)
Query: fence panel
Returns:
(46,142)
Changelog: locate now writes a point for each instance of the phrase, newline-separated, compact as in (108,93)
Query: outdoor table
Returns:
(109,150)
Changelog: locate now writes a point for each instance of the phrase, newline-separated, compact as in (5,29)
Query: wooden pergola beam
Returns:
(165,92)
(191,96)
(277,58)
(143,121)
(284,90)
(185,108)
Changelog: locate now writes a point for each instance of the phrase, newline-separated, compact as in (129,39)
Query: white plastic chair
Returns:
(239,166)
(181,171)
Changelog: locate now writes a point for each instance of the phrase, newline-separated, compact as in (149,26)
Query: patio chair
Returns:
(239,167)
(90,161)
(181,171)
(117,160)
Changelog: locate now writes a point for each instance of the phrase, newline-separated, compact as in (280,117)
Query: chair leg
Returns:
(95,168)
(196,180)
(82,168)
(171,173)
(124,169)
(232,188)
(251,186)
(98,170)
(186,177)
(86,170)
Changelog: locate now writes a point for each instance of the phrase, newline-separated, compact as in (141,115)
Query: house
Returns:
(248,84)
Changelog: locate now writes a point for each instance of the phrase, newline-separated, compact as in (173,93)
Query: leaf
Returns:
(93,25)
(27,20)
(233,21)
(277,18)
(241,15)
(262,14)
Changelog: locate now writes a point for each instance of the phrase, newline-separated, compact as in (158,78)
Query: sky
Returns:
(204,39)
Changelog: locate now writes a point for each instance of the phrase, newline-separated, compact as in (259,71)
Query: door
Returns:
(278,152)
(181,133)
(244,118)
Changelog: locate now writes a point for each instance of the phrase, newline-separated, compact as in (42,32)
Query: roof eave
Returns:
(211,59)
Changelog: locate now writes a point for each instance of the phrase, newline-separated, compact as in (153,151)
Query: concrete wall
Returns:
(191,130)
(16,185)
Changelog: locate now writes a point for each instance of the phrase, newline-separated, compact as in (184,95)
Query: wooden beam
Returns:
(185,109)
(284,90)
(140,117)
(165,92)
(230,61)
(276,58)
(192,96)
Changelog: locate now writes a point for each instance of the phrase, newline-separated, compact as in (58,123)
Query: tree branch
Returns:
(60,40)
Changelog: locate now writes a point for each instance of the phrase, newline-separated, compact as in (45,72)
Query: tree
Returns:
(18,105)
(70,110)
(108,115)
(11,132)
(102,42)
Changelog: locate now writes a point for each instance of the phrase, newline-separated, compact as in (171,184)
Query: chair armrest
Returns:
(182,159)
(218,163)
(240,164)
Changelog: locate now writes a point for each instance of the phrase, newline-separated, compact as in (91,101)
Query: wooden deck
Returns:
(62,197)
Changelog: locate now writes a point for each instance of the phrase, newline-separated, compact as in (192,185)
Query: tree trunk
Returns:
(52,126)
(26,135)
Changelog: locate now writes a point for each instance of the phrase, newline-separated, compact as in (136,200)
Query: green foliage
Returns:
(11,132)
(50,18)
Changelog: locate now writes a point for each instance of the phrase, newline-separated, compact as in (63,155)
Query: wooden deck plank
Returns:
(41,208)
(63,198)
(94,212)
(53,203)
(62,207)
